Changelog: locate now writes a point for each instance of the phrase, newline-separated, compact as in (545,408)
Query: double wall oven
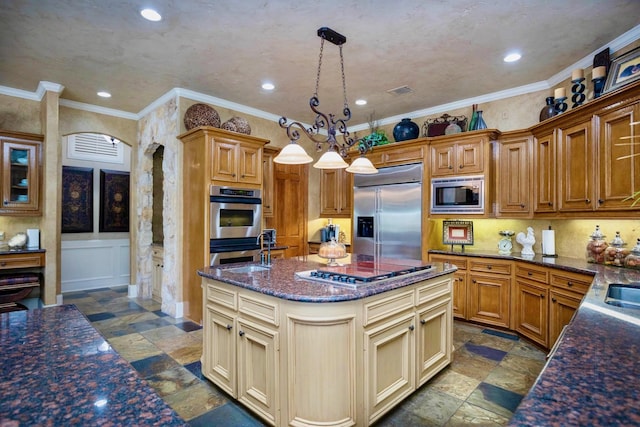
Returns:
(236,222)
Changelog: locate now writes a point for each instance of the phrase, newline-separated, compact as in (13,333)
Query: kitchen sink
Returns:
(624,295)
(247,269)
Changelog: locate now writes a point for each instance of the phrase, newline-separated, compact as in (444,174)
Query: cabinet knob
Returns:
(554,300)
(229,327)
(267,206)
(411,327)
(542,296)
(460,279)
(529,273)
(569,284)
(450,167)
(242,176)
(423,321)
(474,281)
(461,166)
(241,333)
(489,267)
(2,264)
(522,205)
(550,204)
(233,175)
(600,201)
(587,201)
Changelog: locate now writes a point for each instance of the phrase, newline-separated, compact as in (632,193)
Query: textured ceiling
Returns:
(443,50)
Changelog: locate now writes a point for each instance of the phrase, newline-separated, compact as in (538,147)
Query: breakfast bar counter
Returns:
(57,370)
(304,351)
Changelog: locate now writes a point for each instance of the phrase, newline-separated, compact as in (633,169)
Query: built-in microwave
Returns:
(457,195)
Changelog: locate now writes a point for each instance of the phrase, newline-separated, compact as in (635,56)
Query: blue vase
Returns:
(479,124)
(405,130)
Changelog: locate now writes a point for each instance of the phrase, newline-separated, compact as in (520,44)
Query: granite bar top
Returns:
(593,377)
(7,251)
(280,280)
(58,370)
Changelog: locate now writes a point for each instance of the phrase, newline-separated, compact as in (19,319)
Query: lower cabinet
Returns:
(459,283)
(489,291)
(530,302)
(157,257)
(562,308)
(347,363)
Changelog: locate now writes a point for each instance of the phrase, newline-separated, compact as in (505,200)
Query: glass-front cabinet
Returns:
(21,160)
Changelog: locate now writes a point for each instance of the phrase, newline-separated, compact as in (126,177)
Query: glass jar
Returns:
(596,247)
(633,259)
(332,251)
(616,252)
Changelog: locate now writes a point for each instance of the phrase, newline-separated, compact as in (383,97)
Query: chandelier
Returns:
(333,158)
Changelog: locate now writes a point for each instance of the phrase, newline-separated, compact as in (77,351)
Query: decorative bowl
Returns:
(237,124)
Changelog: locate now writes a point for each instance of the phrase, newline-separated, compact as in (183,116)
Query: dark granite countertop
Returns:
(593,377)
(20,251)
(58,370)
(280,280)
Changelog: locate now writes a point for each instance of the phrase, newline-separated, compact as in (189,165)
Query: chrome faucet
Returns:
(260,241)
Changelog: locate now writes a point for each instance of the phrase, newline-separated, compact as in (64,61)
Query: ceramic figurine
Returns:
(527,241)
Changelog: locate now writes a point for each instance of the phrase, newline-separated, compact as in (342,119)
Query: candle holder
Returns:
(561,106)
(598,86)
(577,90)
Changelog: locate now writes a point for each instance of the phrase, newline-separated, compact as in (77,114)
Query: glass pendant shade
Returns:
(293,154)
(330,160)
(363,166)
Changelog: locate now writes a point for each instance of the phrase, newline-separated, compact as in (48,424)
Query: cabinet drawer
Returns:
(432,291)
(403,156)
(538,274)
(8,262)
(460,263)
(490,266)
(571,281)
(259,309)
(222,297)
(388,306)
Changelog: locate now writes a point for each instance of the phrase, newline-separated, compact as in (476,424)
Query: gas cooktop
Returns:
(364,272)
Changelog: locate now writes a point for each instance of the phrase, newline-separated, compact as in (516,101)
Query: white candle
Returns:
(598,72)
(577,74)
(559,93)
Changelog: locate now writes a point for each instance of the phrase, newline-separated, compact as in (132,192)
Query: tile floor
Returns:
(490,373)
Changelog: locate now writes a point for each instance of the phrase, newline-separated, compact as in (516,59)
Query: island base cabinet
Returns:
(321,368)
(434,345)
(219,361)
(389,365)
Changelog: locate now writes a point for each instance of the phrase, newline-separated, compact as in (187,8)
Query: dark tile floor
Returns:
(490,373)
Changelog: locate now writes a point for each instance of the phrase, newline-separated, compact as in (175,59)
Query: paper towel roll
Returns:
(548,243)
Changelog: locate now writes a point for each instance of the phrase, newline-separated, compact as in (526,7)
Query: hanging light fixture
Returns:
(333,158)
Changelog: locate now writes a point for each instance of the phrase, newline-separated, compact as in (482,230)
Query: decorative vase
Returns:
(549,110)
(405,130)
(474,116)
(479,123)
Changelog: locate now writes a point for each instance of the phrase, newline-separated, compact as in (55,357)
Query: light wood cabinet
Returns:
(237,162)
(201,169)
(273,354)
(460,283)
(21,159)
(544,173)
(336,193)
(157,257)
(514,175)
(398,153)
(489,291)
(457,158)
(576,167)
(619,159)
(530,302)
(563,306)
(267,181)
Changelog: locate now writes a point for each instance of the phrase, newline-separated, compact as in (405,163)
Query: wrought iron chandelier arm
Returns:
(294,127)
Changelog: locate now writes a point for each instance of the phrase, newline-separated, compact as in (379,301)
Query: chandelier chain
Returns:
(344,82)
(320,66)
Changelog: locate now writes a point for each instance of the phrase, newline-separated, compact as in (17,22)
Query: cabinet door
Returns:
(225,161)
(249,164)
(514,178)
(469,157)
(563,306)
(460,294)
(433,339)
(442,160)
(219,364)
(576,167)
(389,364)
(267,183)
(335,197)
(258,374)
(619,158)
(158,265)
(531,310)
(20,177)
(544,173)
(489,299)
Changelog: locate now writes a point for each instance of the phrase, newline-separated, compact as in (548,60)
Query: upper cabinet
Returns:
(576,162)
(513,179)
(21,173)
(544,172)
(335,193)
(458,157)
(269,153)
(237,161)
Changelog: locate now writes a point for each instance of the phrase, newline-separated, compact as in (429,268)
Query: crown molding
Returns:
(196,96)
(97,109)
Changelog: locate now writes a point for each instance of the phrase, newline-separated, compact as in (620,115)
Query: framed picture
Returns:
(457,232)
(624,70)
(114,201)
(77,199)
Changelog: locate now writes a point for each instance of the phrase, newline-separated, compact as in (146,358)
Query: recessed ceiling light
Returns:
(104,94)
(268,86)
(512,57)
(361,102)
(150,15)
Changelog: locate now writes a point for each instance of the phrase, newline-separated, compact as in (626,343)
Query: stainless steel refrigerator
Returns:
(387,212)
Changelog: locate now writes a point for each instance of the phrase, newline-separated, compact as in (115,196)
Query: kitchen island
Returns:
(304,352)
